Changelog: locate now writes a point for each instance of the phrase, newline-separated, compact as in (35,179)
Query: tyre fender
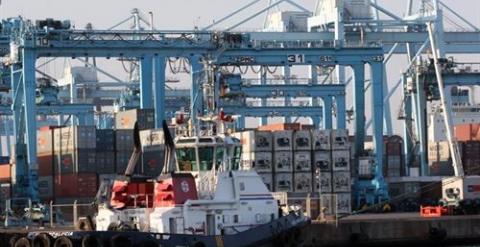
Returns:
(92,241)
(22,242)
(42,240)
(120,241)
(63,241)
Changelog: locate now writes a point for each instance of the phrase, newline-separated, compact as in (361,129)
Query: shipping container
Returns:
(76,185)
(394,166)
(45,165)
(302,140)
(124,140)
(467,132)
(444,168)
(321,139)
(471,167)
(105,140)
(45,142)
(121,160)
(280,127)
(5,173)
(73,161)
(283,161)
(340,139)
(463,188)
(302,182)
(144,117)
(283,140)
(267,179)
(255,141)
(341,160)
(259,161)
(404,190)
(394,146)
(5,192)
(4,160)
(366,167)
(341,182)
(283,182)
(326,203)
(302,161)
(75,137)
(343,203)
(105,162)
(45,187)
(322,161)
(322,182)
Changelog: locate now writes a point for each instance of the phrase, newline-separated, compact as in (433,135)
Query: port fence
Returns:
(67,214)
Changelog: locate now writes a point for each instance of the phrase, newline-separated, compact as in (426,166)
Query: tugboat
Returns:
(200,200)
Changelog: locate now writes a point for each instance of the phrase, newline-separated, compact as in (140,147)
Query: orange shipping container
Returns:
(467,132)
(280,127)
(5,173)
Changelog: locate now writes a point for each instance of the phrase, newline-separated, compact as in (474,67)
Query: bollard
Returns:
(75,213)
(51,214)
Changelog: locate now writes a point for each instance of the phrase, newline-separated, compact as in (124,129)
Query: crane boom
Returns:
(456,159)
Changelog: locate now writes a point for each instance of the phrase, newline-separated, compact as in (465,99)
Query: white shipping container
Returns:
(75,137)
(259,161)
(322,183)
(302,161)
(302,140)
(321,140)
(341,160)
(302,182)
(366,167)
(283,182)
(283,161)
(341,182)
(326,203)
(340,139)
(267,179)
(465,188)
(343,203)
(151,138)
(283,140)
(255,141)
(322,161)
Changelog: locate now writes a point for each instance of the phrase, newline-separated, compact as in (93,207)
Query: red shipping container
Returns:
(72,185)
(45,165)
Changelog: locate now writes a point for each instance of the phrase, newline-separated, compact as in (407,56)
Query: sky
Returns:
(186,14)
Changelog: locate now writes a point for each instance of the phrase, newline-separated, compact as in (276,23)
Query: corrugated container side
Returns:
(341,182)
(302,161)
(45,187)
(45,141)
(124,140)
(259,161)
(144,117)
(105,162)
(340,139)
(443,168)
(45,165)
(280,127)
(5,173)
(5,192)
(322,160)
(121,160)
(302,140)
(341,160)
(283,161)
(344,203)
(152,139)
(302,182)
(324,184)
(75,137)
(321,139)
(283,140)
(153,162)
(105,140)
(283,182)
(394,146)
(326,202)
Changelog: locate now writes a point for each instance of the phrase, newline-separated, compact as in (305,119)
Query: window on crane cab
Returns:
(187,159)
(205,154)
(237,156)
(219,157)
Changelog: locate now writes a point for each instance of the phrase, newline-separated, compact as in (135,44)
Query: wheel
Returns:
(22,242)
(120,241)
(12,240)
(63,241)
(91,241)
(42,240)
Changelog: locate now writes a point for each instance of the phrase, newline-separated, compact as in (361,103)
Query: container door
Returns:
(210,224)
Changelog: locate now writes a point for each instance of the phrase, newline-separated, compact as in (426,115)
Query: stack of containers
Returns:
(302,153)
(5,179)
(341,171)
(74,163)
(322,168)
(471,157)
(105,151)
(153,151)
(45,158)
(439,161)
(124,124)
(393,157)
(257,148)
(283,160)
